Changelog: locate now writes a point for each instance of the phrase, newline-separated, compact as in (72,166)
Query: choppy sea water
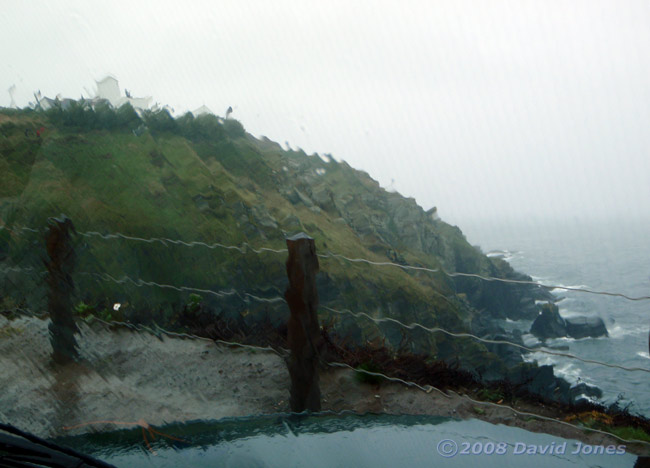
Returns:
(606,255)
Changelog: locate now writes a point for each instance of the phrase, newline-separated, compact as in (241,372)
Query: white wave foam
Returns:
(560,287)
(506,255)
(542,359)
(591,399)
(618,331)
(566,313)
(495,253)
(530,340)
(643,354)
(560,341)
(567,370)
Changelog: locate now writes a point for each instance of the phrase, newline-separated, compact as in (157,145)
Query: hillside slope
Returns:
(222,185)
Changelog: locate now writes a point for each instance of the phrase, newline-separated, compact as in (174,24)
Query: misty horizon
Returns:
(540,112)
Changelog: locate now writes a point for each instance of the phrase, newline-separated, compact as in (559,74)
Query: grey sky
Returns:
(480,108)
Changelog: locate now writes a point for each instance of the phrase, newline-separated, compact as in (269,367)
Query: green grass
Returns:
(488,394)
(630,433)
(146,186)
(363,377)
(8,331)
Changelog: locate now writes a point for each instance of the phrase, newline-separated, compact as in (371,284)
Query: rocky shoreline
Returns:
(538,380)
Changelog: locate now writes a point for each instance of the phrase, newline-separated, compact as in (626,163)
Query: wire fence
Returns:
(245,248)
(284,353)
(482,340)
(246,296)
(485,278)
(430,388)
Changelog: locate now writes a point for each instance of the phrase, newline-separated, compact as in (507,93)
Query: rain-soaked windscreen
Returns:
(334,233)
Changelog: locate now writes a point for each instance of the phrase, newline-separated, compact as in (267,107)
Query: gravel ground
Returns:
(125,377)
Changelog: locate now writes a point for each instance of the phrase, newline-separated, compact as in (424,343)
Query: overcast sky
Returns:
(483,108)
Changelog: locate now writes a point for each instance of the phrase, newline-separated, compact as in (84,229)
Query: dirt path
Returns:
(126,376)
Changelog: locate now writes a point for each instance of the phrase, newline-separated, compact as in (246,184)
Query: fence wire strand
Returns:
(165,241)
(483,340)
(140,282)
(245,247)
(430,388)
(484,278)
(282,352)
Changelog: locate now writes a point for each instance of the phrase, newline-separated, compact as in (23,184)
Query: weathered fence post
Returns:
(303,329)
(59,280)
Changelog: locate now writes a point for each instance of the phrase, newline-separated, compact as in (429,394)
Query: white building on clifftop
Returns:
(108,88)
(203,110)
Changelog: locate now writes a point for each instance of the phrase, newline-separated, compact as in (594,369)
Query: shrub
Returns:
(160,121)
(83,310)
(488,394)
(76,115)
(368,378)
(194,303)
(209,128)
(234,128)
(105,117)
(205,128)
(80,115)
(186,126)
(127,118)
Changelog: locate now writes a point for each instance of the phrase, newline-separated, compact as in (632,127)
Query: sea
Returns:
(611,255)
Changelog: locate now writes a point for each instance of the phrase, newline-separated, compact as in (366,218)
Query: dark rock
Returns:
(483,325)
(396,257)
(292,223)
(511,355)
(201,202)
(262,217)
(549,323)
(538,380)
(581,390)
(542,381)
(582,327)
(324,198)
(301,197)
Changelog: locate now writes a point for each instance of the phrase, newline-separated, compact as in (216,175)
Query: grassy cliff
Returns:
(209,181)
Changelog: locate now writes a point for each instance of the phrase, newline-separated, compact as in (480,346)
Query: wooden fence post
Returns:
(59,280)
(303,328)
